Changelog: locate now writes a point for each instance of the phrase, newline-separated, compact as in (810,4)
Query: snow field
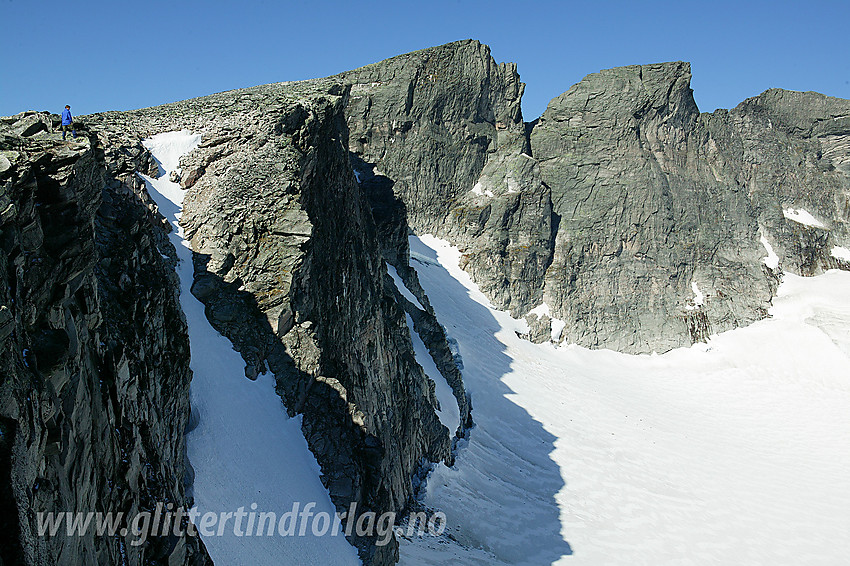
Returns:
(730,452)
(802,216)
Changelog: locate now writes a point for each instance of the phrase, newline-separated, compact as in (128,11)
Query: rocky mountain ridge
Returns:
(622,207)
(639,222)
(288,264)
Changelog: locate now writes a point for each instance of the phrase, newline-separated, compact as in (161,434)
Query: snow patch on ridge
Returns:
(802,217)
(399,284)
(841,253)
(540,310)
(449,412)
(557,325)
(478,189)
(772,260)
(167,149)
(699,298)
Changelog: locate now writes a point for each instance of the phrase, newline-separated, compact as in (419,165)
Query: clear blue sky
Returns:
(118,55)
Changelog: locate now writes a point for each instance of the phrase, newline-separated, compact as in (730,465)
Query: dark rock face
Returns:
(289,266)
(621,205)
(95,373)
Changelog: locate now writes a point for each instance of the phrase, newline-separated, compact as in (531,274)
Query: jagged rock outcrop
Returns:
(288,264)
(662,209)
(645,218)
(290,268)
(429,119)
(635,218)
(95,364)
(433,335)
(429,126)
(791,150)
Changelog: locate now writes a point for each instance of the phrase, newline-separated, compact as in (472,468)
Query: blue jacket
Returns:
(66,117)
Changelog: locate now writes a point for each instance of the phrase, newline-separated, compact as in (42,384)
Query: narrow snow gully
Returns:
(248,457)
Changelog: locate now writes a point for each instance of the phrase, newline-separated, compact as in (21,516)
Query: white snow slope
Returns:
(735,452)
(841,253)
(245,449)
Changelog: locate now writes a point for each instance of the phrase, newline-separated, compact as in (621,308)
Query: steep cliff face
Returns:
(429,119)
(791,151)
(634,218)
(95,374)
(288,264)
(645,217)
(429,126)
(663,208)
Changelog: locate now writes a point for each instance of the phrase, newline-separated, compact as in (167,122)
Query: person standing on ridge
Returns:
(68,122)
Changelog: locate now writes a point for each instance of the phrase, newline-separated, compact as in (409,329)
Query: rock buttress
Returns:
(92,407)
(614,206)
(288,264)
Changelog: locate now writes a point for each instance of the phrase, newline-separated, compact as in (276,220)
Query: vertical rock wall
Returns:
(635,218)
(429,119)
(645,215)
(289,266)
(791,150)
(95,362)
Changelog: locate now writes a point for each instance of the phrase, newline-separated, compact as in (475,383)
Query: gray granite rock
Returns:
(643,216)
(616,204)
(636,219)
(654,198)
(791,150)
(429,119)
